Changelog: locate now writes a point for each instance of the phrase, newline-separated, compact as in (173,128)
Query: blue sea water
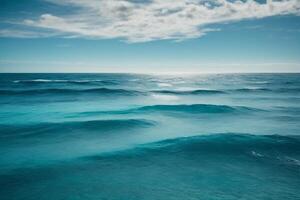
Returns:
(133,136)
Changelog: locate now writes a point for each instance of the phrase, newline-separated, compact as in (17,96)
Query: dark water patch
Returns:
(56,91)
(266,90)
(288,90)
(195,108)
(66,128)
(281,150)
(226,91)
(246,90)
(287,118)
(231,141)
(191,92)
(288,110)
(272,99)
(181,108)
(62,81)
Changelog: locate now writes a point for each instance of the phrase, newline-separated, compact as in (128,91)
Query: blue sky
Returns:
(156,36)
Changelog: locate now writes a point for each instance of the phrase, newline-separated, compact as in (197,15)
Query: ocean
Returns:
(145,137)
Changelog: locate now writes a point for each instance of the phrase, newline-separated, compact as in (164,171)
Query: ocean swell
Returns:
(103,91)
(55,129)
(194,108)
(189,92)
(178,108)
(274,149)
(57,81)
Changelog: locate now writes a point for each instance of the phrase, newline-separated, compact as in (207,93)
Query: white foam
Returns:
(293,160)
(190,89)
(164,84)
(253,88)
(256,154)
(165,97)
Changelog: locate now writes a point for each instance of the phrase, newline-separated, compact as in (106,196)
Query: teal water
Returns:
(130,136)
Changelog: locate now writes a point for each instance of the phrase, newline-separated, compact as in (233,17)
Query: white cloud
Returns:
(24,33)
(137,21)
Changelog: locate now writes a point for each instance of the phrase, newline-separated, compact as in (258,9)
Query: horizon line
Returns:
(156,73)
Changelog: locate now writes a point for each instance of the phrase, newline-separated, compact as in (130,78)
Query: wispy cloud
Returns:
(148,20)
(19,33)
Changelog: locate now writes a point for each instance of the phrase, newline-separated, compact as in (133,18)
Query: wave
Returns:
(106,91)
(39,81)
(229,166)
(289,90)
(226,91)
(181,108)
(252,90)
(188,92)
(273,148)
(231,141)
(275,90)
(73,126)
(195,108)
(47,81)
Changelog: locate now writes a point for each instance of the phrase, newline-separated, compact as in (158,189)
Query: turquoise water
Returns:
(130,136)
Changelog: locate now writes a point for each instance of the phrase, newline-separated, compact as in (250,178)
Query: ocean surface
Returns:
(136,137)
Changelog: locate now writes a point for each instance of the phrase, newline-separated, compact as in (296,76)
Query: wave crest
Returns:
(47,81)
(73,126)
(273,149)
(193,108)
(189,92)
(106,91)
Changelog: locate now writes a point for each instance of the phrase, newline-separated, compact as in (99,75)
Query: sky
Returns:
(150,36)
